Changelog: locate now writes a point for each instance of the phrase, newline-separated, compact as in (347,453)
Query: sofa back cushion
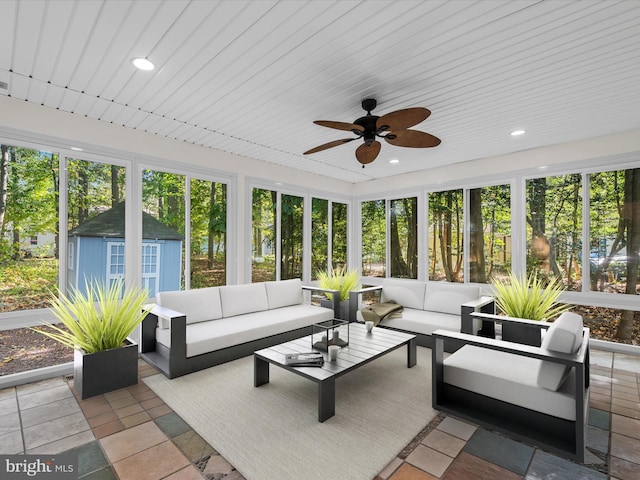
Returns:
(408,293)
(198,305)
(564,336)
(240,299)
(284,293)
(447,297)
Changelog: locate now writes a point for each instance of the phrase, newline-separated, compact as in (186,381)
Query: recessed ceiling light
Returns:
(143,63)
(394,160)
(76,149)
(543,167)
(515,133)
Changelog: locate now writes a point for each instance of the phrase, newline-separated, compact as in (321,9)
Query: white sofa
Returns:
(537,394)
(190,330)
(427,306)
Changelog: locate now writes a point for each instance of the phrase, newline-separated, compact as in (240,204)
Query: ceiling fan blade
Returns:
(401,119)
(340,125)
(335,143)
(412,138)
(367,154)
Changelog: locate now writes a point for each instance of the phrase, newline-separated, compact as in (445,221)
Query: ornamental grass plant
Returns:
(529,298)
(339,279)
(100,319)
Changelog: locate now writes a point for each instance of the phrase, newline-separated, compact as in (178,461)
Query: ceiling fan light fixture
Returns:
(143,63)
(517,133)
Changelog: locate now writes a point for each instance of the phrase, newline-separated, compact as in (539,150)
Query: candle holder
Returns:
(330,332)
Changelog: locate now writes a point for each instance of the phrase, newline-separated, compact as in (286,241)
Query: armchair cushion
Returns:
(563,336)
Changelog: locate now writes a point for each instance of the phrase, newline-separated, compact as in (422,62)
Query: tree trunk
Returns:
(537,207)
(398,264)
(477,265)
(212,203)
(115,191)
(411,207)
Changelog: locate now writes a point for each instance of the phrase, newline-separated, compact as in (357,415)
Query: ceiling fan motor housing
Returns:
(368,122)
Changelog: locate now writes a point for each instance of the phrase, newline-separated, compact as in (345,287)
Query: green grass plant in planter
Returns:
(527,298)
(99,322)
(342,280)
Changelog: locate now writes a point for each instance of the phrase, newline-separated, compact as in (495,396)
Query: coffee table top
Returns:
(363,347)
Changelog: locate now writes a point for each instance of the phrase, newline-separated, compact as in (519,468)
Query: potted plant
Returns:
(339,279)
(527,298)
(99,322)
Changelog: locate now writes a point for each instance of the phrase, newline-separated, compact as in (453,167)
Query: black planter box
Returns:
(102,372)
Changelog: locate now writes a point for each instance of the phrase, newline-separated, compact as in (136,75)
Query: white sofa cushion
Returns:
(199,305)
(408,293)
(508,377)
(241,299)
(228,332)
(564,336)
(284,293)
(422,321)
(448,297)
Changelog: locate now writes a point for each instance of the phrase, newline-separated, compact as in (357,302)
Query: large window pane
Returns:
(615,231)
(28,227)
(404,237)
(208,233)
(339,235)
(96,223)
(163,220)
(489,233)
(445,236)
(263,235)
(291,224)
(319,235)
(374,238)
(554,228)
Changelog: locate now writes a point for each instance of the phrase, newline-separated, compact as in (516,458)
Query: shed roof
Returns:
(111,224)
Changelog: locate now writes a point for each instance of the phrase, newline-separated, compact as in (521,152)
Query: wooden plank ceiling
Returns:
(249,77)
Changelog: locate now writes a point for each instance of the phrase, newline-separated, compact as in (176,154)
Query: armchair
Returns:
(536,394)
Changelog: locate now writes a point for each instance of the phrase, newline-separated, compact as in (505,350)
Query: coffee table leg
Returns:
(412,353)
(260,371)
(326,399)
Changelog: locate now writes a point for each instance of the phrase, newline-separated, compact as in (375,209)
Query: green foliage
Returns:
(529,298)
(98,320)
(339,279)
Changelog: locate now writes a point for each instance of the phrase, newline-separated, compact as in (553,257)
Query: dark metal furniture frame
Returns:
(483,305)
(564,437)
(173,362)
(363,348)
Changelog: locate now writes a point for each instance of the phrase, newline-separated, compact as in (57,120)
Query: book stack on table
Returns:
(311,359)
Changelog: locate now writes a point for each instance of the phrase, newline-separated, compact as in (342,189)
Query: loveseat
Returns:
(427,306)
(536,394)
(190,330)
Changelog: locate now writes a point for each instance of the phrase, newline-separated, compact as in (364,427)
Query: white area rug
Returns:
(272,432)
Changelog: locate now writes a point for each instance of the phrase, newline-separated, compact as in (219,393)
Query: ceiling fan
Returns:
(393,127)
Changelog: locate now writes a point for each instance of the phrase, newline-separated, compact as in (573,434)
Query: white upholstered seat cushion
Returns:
(508,377)
(241,299)
(284,293)
(198,305)
(448,297)
(422,321)
(408,293)
(564,336)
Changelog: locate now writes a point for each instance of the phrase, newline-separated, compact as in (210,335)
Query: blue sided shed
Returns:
(96,251)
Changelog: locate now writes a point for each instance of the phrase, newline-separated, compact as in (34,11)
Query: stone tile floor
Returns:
(130,434)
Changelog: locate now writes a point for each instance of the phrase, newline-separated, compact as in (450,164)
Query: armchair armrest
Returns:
(578,358)
(354,300)
(503,319)
(335,297)
(177,323)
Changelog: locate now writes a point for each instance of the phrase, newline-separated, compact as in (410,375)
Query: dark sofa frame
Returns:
(173,362)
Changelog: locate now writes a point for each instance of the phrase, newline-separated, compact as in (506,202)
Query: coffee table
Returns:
(363,348)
